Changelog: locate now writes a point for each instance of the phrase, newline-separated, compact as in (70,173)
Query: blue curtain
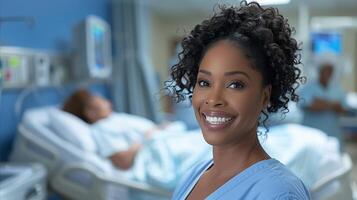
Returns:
(134,80)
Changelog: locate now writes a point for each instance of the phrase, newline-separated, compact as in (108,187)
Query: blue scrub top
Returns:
(265,180)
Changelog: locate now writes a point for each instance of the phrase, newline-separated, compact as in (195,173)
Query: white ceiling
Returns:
(175,8)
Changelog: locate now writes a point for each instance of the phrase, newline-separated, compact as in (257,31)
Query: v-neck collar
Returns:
(240,177)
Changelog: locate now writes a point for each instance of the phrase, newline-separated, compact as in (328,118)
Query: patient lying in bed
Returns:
(119,136)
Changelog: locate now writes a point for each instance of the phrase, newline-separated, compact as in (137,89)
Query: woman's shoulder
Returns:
(280,183)
(189,179)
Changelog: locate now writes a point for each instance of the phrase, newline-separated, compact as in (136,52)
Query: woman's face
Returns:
(326,72)
(228,96)
(98,108)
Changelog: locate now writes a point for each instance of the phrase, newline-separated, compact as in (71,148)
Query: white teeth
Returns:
(217,120)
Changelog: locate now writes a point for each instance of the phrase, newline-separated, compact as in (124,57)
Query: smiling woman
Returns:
(237,65)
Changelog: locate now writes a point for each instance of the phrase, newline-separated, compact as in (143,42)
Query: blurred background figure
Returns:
(322,102)
(118,136)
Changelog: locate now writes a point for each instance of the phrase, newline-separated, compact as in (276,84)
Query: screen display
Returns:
(326,43)
(99,46)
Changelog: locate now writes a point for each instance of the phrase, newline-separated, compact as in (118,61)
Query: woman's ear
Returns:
(266,96)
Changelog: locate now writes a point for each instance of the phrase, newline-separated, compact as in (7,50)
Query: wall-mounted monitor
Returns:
(92,40)
(326,42)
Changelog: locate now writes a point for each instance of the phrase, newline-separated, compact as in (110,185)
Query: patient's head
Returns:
(90,108)
(97,108)
(325,73)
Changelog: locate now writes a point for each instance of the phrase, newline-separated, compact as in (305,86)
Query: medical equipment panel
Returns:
(42,69)
(22,181)
(14,68)
(22,67)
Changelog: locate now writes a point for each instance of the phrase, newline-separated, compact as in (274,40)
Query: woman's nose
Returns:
(215,98)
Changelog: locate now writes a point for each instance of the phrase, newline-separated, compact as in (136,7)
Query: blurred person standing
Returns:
(323,101)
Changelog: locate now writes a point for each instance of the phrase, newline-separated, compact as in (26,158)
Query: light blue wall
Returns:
(54,20)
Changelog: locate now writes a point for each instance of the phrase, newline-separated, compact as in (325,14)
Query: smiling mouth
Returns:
(216,119)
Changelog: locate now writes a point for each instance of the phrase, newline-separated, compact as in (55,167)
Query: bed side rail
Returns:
(95,186)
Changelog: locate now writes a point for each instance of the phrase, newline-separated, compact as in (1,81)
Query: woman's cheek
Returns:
(247,106)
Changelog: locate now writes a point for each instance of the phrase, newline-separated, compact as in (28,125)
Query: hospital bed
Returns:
(79,174)
(72,172)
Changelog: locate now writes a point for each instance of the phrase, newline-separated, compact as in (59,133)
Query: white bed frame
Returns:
(336,186)
(93,183)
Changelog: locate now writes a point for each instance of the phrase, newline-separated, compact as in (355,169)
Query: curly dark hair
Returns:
(265,37)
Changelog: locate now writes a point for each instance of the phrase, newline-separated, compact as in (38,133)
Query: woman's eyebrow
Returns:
(236,72)
(205,72)
(226,74)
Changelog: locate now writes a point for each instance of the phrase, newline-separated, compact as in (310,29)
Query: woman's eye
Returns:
(203,83)
(236,85)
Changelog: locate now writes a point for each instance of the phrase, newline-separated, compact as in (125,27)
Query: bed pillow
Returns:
(72,129)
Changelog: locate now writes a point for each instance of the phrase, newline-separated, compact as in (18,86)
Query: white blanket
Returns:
(166,157)
(307,152)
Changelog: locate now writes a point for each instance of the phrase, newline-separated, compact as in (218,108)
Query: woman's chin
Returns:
(214,139)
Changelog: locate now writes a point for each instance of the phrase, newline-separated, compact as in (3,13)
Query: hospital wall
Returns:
(52,31)
(53,21)
(165,28)
(349,74)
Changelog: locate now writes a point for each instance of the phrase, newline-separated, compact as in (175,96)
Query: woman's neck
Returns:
(230,160)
